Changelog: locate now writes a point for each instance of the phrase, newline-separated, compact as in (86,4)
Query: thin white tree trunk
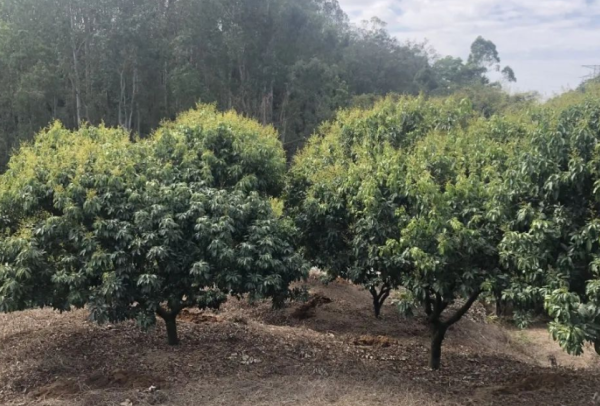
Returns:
(122,99)
(75,80)
(133,94)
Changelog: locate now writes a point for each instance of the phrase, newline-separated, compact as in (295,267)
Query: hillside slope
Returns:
(334,354)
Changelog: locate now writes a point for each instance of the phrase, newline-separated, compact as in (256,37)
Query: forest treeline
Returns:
(134,63)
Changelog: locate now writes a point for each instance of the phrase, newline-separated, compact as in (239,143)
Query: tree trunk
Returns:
(377,306)
(133,94)
(503,307)
(171,324)
(88,67)
(283,117)
(434,310)
(170,319)
(166,89)
(139,120)
(437,337)
(499,307)
(122,98)
(379,298)
(75,81)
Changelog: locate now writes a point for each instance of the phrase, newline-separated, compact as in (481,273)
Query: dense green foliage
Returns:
(133,230)
(343,196)
(428,195)
(407,194)
(224,150)
(553,237)
(133,63)
(453,206)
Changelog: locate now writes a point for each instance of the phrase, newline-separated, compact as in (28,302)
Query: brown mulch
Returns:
(249,354)
(308,309)
(118,379)
(190,316)
(371,341)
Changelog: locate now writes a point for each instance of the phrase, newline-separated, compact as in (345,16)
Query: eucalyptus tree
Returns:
(452,74)
(133,63)
(139,230)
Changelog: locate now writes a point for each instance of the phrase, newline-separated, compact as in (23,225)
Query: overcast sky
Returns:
(544,41)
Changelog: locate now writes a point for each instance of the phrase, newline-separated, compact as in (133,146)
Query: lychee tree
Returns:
(553,239)
(92,219)
(447,251)
(344,196)
(423,210)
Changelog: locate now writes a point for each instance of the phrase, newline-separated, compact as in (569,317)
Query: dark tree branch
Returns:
(385,290)
(436,308)
(438,303)
(170,318)
(379,297)
(384,296)
(172,311)
(163,313)
(428,305)
(463,310)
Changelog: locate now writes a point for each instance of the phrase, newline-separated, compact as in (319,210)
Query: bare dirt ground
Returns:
(336,354)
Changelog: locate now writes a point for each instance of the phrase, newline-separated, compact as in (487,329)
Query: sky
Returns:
(546,42)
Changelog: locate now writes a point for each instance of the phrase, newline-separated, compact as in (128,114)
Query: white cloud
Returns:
(545,41)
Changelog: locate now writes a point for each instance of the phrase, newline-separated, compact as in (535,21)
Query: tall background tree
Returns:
(133,63)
